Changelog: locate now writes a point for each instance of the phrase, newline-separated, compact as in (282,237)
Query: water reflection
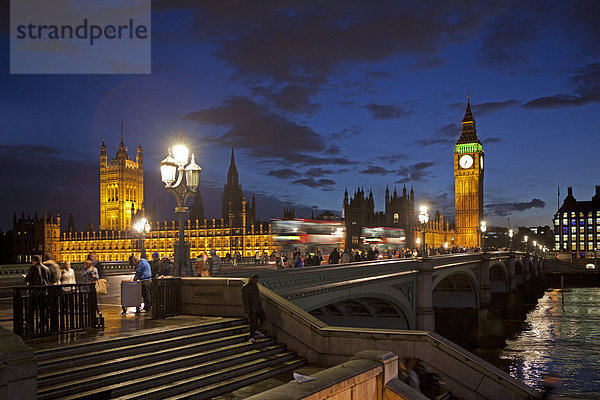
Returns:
(564,340)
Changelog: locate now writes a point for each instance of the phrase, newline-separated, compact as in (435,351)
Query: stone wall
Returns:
(18,368)
(467,375)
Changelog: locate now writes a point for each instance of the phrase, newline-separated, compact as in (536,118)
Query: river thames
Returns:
(561,338)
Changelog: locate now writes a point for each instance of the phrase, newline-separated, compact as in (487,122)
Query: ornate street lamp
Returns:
(423,220)
(482,228)
(171,168)
(510,235)
(526,238)
(142,227)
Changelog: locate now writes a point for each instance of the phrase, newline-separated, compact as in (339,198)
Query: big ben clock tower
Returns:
(468,182)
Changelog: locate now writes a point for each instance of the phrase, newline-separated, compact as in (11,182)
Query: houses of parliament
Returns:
(122,203)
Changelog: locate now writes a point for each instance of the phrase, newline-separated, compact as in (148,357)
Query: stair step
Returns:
(191,383)
(140,378)
(138,337)
(95,356)
(202,350)
(238,382)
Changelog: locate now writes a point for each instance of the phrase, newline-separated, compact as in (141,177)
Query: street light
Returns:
(510,235)
(483,228)
(423,220)
(526,238)
(172,167)
(142,227)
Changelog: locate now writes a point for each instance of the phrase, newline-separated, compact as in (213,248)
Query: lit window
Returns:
(573,229)
(572,213)
(581,245)
(557,238)
(573,246)
(590,221)
(557,222)
(574,238)
(565,238)
(565,221)
(590,237)
(573,222)
(581,237)
(564,215)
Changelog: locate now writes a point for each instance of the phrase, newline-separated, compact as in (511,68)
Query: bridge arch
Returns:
(498,278)
(455,289)
(382,308)
(519,272)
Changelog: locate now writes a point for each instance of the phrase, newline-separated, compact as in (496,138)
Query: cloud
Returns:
(387,111)
(586,87)
(445,135)
(318,172)
(448,130)
(415,173)
(291,98)
(376,170)
(284,173)
(312,183)
(508,39)
(346,133)
(491,107)
(504,209)
(391,158)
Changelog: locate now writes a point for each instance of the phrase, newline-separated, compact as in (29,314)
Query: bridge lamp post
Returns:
(483,228)
(526,238)
(142,227)
(534,247)
(423,220)
(173,169)
(510,235)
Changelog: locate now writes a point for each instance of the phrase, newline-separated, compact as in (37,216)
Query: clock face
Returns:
(481,161)
(465,161)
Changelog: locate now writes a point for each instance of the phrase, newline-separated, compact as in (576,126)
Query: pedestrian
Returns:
(38,273)
(157,267)
(256,258)
(253,306)
(68,274)
(143,273)
(54,269)
(96,263)
(346,257)
(166,262)
(370,254)
(90,273)
(214,263)
(334,256)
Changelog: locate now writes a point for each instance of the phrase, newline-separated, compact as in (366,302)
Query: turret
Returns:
(140,158)
(103,159)
(122,152)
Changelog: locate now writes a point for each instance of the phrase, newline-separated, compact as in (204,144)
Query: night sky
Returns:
(316,96)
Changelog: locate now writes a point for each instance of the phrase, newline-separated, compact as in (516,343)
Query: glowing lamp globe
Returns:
(181,153)
(168,169)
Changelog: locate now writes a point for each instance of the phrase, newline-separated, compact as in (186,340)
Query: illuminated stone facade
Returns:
(203,236)
(35,236)
(121,187)
(468,183)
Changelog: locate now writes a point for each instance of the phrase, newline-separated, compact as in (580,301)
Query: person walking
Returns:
(346,257)
(214,263)
(143,273)
(334,256)
(253,306)
(38,273)
(68,274)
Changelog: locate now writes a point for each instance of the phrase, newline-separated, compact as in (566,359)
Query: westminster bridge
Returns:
(403,293)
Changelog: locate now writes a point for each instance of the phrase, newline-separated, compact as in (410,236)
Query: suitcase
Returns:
(131,294)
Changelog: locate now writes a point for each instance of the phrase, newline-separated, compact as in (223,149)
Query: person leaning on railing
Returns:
(143,273)
(38,273)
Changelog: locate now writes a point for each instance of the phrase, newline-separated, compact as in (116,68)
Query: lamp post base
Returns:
(182,266)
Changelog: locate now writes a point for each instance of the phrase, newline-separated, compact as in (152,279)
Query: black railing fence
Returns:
(47,310)
(166,297)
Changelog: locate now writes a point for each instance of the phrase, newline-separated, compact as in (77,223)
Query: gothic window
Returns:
(396,218)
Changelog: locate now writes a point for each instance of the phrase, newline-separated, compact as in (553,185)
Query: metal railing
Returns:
(52,309)
(166,297)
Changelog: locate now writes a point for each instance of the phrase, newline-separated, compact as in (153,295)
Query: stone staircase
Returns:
(194,362)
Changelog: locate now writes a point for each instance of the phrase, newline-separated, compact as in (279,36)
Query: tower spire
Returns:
(232,158)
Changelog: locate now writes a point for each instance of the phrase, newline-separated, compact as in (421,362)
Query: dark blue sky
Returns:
(317,96)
